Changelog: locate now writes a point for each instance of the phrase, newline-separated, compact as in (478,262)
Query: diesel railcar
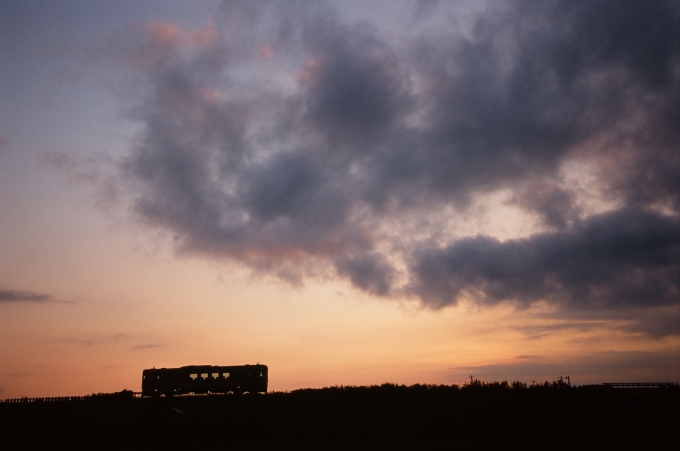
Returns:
(203,379)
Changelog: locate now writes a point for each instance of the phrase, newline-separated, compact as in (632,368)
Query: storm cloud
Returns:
(620,258)
(285,139)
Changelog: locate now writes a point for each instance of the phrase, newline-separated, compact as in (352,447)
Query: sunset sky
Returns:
(350,192)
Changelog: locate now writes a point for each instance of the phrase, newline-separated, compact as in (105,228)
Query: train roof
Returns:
(207,367)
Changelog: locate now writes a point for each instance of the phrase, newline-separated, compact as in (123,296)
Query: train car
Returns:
(202,379)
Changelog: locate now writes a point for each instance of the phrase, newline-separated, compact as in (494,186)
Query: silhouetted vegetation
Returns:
(123,394)
(477,414)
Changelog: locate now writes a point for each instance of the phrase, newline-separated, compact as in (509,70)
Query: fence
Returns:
(641,385)
(50,399)
(67,398)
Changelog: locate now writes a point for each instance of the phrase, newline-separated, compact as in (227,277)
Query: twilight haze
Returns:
(350,192)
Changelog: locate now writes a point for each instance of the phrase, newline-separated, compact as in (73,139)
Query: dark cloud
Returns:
(535,331)
(556,206)
(595,368)
(145,346)
(654,322)
(654,325)
(423,9)
(23,296)
(353,86)
(296,144)
(371,273)
(529,357)
(292,186)
(536,82)
(622,258)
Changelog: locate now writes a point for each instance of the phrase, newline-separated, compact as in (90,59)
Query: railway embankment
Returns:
(477,415)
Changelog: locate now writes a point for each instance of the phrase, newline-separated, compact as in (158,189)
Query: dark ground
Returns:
(381,417)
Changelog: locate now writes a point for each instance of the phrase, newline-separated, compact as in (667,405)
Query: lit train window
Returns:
(215,375)
(226,375)
(204,375)
(193,376)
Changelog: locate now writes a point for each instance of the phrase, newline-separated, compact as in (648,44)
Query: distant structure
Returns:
(641,385)
(204,379)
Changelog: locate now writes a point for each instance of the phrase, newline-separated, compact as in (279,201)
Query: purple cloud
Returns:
(282,138)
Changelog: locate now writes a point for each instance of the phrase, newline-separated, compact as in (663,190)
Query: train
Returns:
(204,379)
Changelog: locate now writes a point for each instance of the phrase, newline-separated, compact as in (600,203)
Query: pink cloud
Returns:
(265,52)
(309,71)
(165,33)
(147,44)
(202,38)
(162,32)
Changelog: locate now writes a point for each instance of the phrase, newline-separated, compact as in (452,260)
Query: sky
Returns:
(352,193)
